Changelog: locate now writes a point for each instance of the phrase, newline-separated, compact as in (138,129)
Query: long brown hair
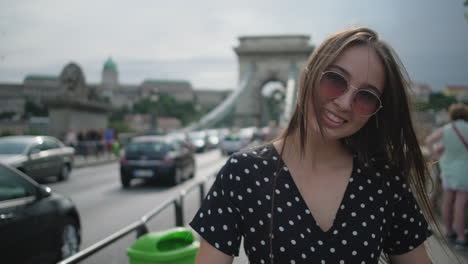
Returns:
(393,138)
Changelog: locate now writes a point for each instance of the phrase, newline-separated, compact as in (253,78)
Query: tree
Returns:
(119,114)
(274,103)
(437,101)
(466,12)
(34,109)
(8,115)
(167,106)
(119,126)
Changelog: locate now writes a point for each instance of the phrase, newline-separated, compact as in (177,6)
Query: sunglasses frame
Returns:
(355,90)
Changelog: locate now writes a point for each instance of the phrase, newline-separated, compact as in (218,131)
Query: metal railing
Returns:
(139,226)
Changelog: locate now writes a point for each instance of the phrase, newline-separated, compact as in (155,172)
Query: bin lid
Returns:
(170,244)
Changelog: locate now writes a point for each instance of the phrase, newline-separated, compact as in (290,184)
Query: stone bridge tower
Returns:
(276,58)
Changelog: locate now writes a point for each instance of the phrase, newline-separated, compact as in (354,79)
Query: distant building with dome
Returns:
(40,87)
(110,74)
(127,94)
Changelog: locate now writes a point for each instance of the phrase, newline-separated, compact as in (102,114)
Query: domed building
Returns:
(110,75)
(41,88)
(120,94)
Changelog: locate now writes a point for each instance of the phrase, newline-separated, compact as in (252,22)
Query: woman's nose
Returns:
(345,101)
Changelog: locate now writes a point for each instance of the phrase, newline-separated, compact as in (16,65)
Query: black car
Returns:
(36,224)
(37,156)
(157,158)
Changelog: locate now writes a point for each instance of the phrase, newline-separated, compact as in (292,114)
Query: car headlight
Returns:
(199,143)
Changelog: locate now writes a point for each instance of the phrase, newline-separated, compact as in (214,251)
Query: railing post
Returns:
(179,210)
(141,230)
(139,226)
(201,185)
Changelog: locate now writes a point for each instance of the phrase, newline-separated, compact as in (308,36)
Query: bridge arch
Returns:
(261,59)
(276,58)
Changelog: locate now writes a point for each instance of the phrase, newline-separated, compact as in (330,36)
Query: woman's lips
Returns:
(332,120)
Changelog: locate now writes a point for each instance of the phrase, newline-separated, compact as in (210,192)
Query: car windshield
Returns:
(197,136)
(13,147)
(148,148)
(232,138)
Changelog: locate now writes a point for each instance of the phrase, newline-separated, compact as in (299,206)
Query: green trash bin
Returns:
(172,246)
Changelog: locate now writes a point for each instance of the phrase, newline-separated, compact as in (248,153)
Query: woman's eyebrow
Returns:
(372,87)
(348,75)
(341,69)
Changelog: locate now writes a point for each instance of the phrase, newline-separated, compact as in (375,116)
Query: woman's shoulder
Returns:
(376,163)
(391,176)
(252,162)
(250,169)
(459,123)
(262,154)
(462,124)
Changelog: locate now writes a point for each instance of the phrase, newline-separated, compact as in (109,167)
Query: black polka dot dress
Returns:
(378,213)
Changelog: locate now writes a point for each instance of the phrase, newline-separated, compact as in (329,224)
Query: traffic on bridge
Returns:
(116,118)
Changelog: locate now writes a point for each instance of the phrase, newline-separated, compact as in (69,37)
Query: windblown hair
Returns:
(393,138)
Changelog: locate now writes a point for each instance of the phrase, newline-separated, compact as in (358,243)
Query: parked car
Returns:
(157,158)
(231,144)
(37,156)
(36,224)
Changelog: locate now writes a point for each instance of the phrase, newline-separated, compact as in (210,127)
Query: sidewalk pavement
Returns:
(440,253)
(93,160)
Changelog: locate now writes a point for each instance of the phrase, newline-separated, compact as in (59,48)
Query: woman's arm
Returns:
(418,255)
(435,136)
(210,255)
(434,143)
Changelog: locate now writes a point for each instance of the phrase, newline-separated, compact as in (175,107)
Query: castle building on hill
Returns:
(39,87)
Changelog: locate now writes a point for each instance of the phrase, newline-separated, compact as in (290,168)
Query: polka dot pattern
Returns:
(378,213)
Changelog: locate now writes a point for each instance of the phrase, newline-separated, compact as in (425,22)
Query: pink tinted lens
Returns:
(366,103)
(333,85)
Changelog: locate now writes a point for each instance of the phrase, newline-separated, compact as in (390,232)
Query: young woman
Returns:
(339,185)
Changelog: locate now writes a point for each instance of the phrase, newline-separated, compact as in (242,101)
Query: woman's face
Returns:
(363,69)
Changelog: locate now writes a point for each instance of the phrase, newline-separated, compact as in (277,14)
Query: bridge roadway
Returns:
(105,207)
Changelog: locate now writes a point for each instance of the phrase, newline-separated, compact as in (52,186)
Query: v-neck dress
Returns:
(378,212)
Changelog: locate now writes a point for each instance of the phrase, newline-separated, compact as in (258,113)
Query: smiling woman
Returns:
(346,108)
(338,186)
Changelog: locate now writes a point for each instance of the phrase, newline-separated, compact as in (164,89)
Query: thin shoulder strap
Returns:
(460,135)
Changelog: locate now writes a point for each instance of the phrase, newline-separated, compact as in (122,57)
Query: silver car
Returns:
(37,156)
(231,144)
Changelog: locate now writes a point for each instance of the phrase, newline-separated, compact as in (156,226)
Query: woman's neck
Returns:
(317,151)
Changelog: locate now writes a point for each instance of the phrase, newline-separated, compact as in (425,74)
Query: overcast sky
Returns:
(193,40)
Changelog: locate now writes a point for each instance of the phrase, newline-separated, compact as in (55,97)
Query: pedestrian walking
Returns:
(454,167)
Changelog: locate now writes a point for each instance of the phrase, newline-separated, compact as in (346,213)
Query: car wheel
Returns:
(69,239)
(177,177)
(192,174)
(64,173)
(125,181)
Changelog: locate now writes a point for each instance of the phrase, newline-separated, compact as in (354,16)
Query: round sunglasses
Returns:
(365,102)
